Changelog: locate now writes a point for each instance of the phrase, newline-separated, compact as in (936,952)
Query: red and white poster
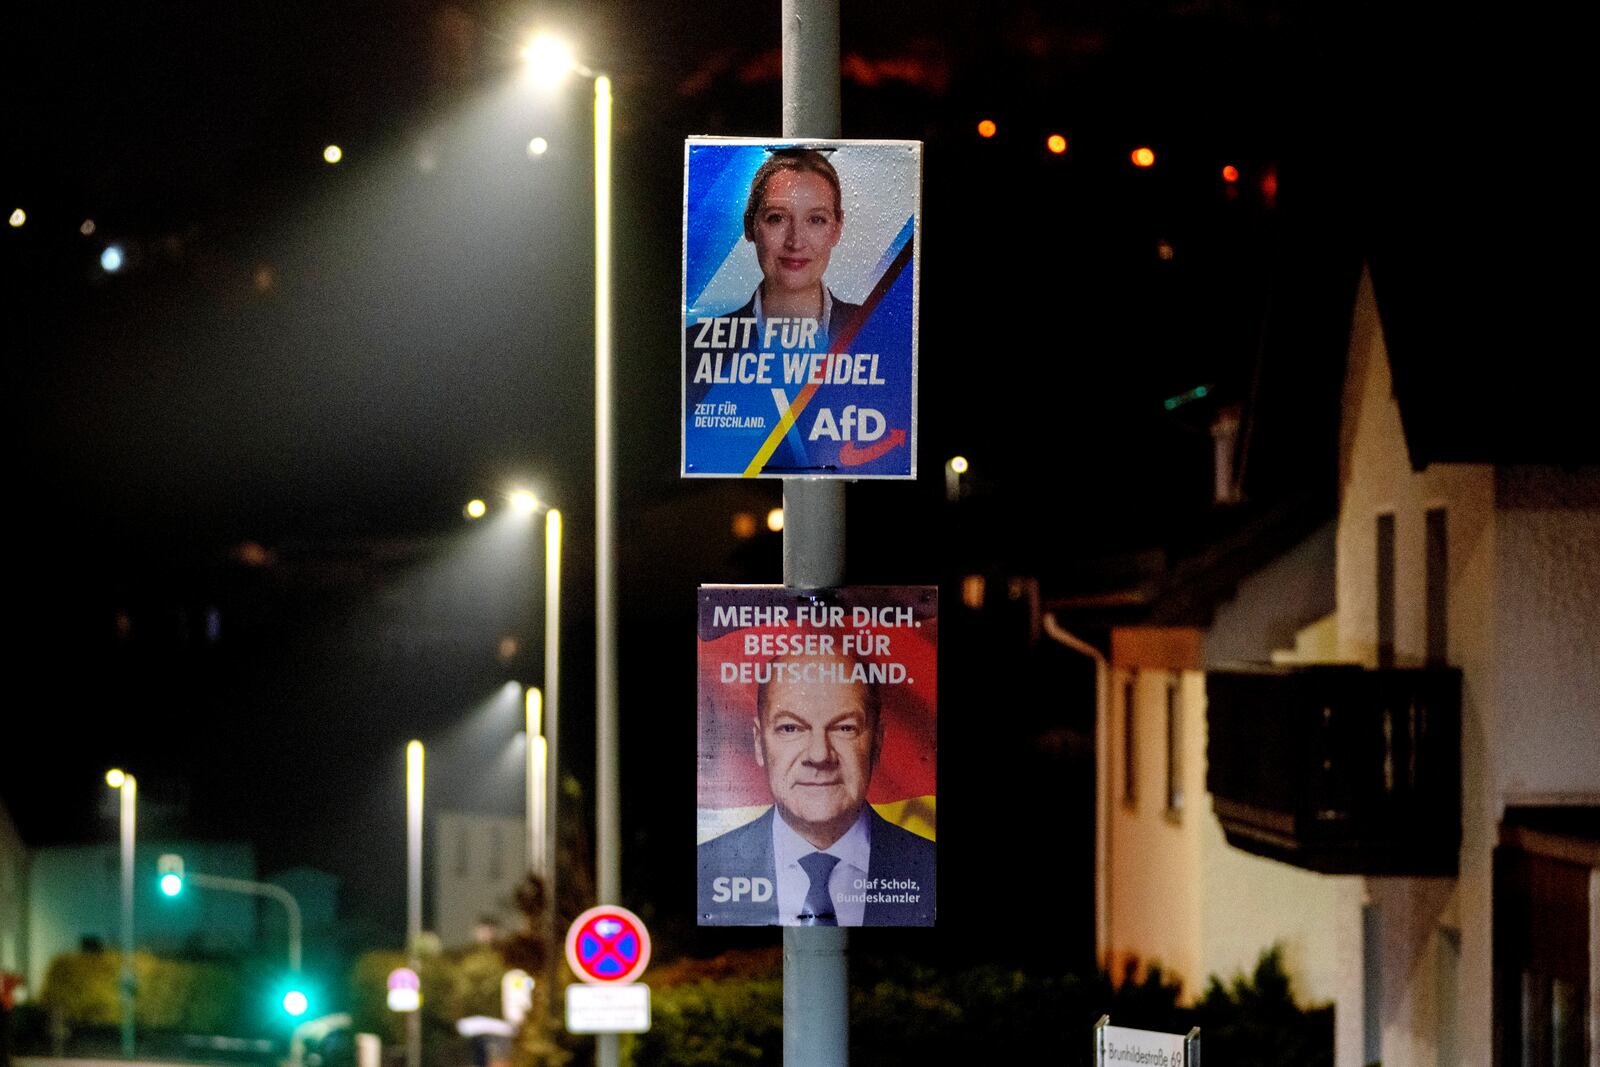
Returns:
(817,737)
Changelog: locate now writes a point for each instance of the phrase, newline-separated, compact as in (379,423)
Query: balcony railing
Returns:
(1338,769)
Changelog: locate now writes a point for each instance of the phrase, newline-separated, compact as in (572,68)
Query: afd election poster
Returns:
(800,268)
(817,724)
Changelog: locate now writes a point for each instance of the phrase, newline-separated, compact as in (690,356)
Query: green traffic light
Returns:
(295,1003)
(171,884)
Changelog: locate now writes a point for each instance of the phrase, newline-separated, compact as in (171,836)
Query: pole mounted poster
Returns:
(817,725)
(800,288)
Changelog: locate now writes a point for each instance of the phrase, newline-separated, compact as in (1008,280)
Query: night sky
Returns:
(239,563)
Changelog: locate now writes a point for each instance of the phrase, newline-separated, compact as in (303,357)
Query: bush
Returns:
(908,1015)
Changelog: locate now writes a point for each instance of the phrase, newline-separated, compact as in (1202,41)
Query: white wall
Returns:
(478,861)
(1547,626)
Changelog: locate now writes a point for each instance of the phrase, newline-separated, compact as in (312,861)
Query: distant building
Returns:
(478,862)
(1173,892)
(75,899)
(13,898)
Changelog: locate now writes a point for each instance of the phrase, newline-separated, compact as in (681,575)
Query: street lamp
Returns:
(413,887)
(547,61)
(128,788)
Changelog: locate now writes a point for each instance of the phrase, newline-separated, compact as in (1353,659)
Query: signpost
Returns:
(1121,1046)
(800,308)
(608,948)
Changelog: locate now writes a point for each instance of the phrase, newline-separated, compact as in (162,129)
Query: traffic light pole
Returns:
(260,889)
(816,1005)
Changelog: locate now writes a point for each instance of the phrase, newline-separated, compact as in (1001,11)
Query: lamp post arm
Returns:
(260,889)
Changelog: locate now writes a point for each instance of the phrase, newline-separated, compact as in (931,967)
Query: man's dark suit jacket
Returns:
(746,851)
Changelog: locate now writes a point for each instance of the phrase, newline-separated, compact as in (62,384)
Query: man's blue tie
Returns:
(818,908)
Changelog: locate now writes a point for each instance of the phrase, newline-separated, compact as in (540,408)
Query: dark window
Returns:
(1386,590)
(1371,984)
(1438,588)
(1174,750)
(1129,754)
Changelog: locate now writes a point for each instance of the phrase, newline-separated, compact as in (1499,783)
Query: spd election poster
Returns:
(800,269)
(816,744)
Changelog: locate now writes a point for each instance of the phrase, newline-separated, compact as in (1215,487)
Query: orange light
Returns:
(1230,174)
(1056,143)
(1143,157)
(987,128)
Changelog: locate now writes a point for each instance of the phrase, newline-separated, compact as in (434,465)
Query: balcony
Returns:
(1338,769)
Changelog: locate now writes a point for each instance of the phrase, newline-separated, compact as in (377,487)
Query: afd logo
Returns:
(754,889)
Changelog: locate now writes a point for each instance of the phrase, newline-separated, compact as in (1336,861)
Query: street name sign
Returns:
(1122,1046)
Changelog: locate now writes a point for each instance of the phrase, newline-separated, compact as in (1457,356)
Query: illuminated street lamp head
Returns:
(548,59)
(523,502)
(958,464)
(476,509)
(115,778)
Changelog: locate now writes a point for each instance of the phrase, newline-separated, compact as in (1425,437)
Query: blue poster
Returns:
(800,308)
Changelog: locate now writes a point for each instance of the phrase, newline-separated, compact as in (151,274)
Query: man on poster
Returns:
(820,856)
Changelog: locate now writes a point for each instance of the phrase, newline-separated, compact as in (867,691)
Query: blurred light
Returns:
(1269,185)
(1230,174)
(87,229)
(538,147)
(1056,143)
(18,217)
(533,711)
(523,502)
(115,778)
(295,1003)
(476,509)
(508,647)
(171,884)
(111,259)
(958,464)
(332,154)
(987,128)
(744,525)
(265,278)
(1199,392)
(1143,157)
(775,520)
(1164,249)
(547,60)
(972,589)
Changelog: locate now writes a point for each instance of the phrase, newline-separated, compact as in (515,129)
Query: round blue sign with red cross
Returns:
(608,945)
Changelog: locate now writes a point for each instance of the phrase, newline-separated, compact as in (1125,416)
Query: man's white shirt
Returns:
(853,850)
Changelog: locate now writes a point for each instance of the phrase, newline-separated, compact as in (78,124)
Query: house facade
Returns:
(1453,772)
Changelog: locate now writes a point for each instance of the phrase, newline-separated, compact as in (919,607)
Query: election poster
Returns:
(816,742)
(800,268)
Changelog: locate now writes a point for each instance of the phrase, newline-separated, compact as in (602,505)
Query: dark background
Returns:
(239,565)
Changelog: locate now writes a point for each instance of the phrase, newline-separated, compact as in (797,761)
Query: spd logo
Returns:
(756,890)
